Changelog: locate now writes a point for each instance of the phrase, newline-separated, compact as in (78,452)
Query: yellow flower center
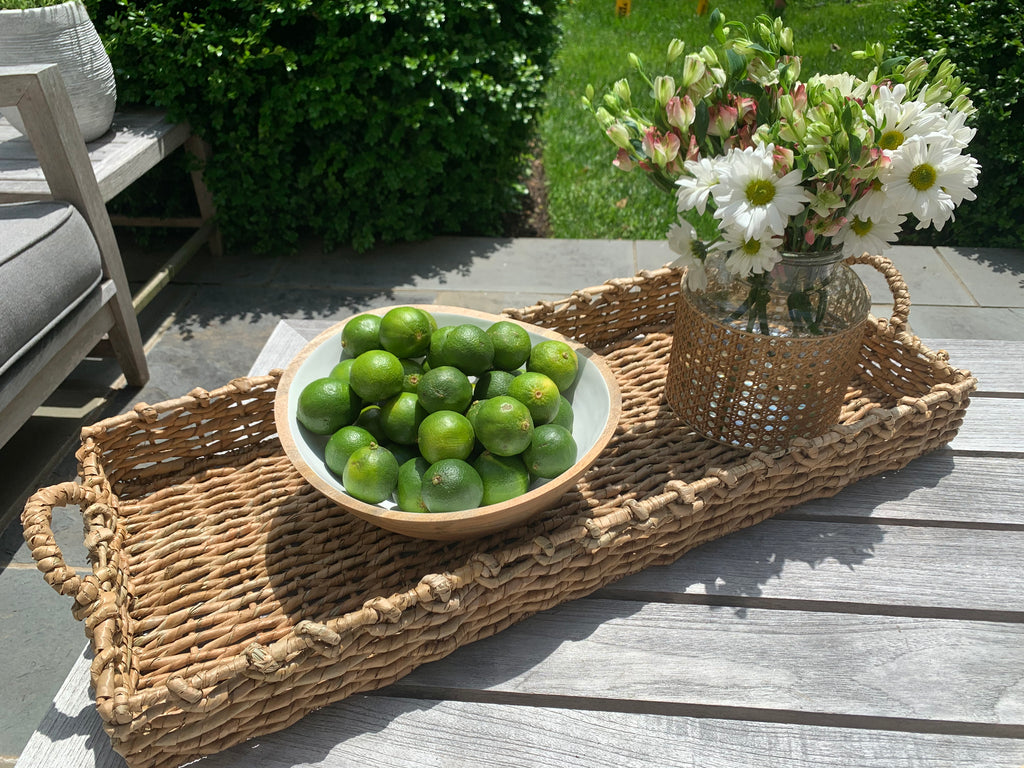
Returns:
(760,191)
(891,139)
(752,247)
(922,177)
(861,227)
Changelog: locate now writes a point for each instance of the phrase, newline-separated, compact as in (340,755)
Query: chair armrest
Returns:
(39,94)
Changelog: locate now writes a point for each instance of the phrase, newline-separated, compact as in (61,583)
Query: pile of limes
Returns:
(442,419)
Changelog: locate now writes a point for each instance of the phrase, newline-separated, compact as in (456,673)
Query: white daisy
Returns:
(860,235)
(873,204)
(751,197)
(957,129)
(895,120)
(682,239)
(695,188)
(749,256)
(929,179)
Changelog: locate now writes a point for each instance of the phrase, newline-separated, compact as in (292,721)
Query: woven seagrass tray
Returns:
(229,598)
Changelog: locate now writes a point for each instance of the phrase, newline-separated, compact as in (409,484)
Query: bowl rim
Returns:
(488,518)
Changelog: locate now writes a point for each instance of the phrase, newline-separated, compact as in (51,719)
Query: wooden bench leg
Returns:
(207,208)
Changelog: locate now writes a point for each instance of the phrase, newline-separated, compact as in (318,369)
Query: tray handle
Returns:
(36,522)
(897,286)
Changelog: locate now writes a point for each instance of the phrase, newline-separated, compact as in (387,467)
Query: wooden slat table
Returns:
(136,142)
(880,628)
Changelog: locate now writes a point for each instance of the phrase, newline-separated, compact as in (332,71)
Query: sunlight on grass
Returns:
(587,196)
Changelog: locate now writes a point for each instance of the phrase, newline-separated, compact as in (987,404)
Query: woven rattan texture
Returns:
(754,391)
(228,598)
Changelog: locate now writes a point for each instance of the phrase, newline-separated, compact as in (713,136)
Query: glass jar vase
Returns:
(759,361)
(805,294)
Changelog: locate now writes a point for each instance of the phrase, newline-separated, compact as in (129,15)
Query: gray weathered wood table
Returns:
(135,143)
(881,628)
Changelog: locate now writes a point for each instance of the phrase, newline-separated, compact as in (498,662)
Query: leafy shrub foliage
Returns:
(985,39)
(360,120)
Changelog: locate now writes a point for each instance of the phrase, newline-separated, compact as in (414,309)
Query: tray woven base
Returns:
(229,598)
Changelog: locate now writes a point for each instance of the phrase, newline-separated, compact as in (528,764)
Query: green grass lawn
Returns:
(587,196)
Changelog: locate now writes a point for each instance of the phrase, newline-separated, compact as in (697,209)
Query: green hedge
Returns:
(985,39)
(357,120)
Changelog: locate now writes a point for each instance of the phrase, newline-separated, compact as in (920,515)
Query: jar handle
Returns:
(897,286)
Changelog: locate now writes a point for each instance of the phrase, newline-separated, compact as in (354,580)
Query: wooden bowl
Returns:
(596,405)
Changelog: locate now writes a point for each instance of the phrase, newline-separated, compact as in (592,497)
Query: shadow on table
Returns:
(316,284)
(1002,261)
(72,717)
(736,570)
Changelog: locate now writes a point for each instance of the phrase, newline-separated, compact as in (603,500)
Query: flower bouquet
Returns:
(768,165)
(776,180)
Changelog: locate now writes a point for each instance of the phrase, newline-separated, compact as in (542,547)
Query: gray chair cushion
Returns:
(49,262)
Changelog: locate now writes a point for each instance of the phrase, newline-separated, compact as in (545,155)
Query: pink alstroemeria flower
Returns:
(783,159)
(818,226)
(623,161)
(661,149)
(723,120)
(680,112)
(746,111)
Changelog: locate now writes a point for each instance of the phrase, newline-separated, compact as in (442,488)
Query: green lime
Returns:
(376,375)
(451,485)
(371,474)
(436,349)
(551,451)
(405,331)
(413,371)
(492,384)
(511,344)
(538,393)
(326,405)
(445,435)
(472,411)
(504,477)
(342,370)
(408,494)
(556,360)
(343,444)
(369,418)
(468,348)
(565,416)
(503,425)
(360,334)
(445,388)
(400,417)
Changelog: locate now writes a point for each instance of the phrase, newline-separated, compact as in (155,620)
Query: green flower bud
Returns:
(917,68)
(675,49)
(619,135)
(786,40)
(693,69)
(962,103)
(946,70)
(604,117)
(664,89)
(621,89)
(786,106)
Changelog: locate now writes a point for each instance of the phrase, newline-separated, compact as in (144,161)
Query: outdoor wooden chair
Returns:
(62,282)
